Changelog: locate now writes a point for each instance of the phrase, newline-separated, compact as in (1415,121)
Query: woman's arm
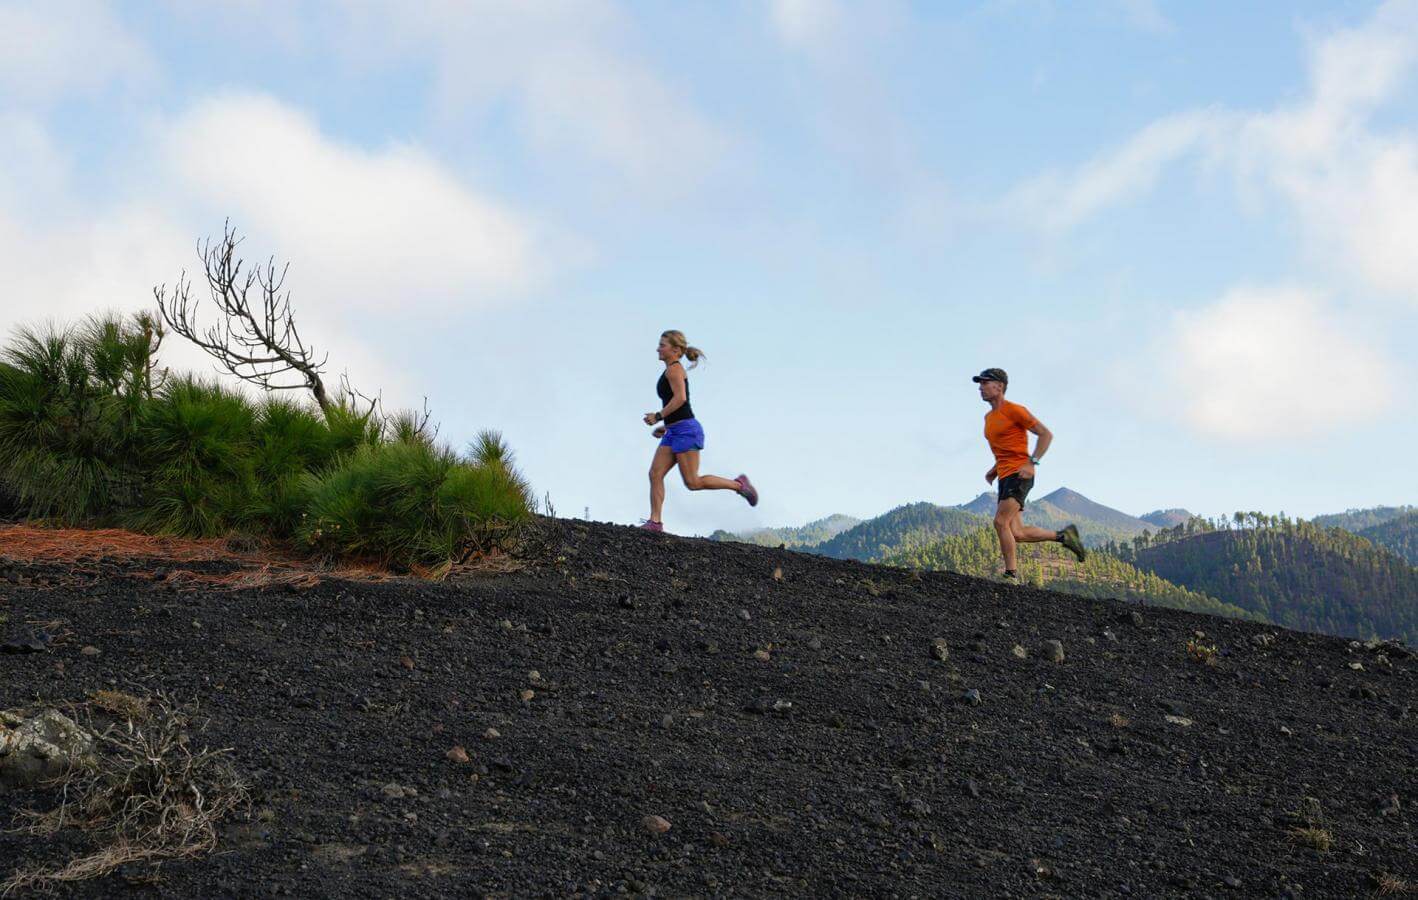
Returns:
(679,394)
(677,380)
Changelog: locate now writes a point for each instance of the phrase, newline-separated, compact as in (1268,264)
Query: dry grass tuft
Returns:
(1312,832)
(265,576)
(117,703)
(1392,885)
(1118,720)
(496,562)
(1313,837)
(151,797)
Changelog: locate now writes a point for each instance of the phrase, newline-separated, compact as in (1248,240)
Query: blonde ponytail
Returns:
(676,339)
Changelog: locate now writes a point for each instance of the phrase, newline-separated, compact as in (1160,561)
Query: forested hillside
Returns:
(904,528)
(1250,565)
(1047,565)
(801,536)
(1398,536)
(1357,520)
(1292,572)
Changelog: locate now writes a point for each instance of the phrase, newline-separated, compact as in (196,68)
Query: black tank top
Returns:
(667,393)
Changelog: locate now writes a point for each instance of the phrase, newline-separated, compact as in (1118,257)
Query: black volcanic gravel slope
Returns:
(848,762)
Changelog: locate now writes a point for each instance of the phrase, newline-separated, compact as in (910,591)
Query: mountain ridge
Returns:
(1167,518)
(812,533)
(914,524)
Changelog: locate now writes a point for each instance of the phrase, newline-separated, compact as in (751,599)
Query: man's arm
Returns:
(1041,446)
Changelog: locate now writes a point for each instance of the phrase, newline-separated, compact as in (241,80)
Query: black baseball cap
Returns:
(992,375)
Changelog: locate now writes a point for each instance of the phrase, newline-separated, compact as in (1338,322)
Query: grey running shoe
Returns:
(1072,543)
(651,525)
(1008,578)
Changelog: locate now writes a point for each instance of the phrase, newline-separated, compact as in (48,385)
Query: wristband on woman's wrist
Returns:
(659,417)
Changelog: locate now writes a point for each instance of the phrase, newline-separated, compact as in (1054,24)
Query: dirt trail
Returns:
(784,713)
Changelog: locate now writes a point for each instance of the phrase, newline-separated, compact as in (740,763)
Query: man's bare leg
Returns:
(1004,517)
(1009,525)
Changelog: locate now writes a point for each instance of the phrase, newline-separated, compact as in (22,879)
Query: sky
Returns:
(1188,230)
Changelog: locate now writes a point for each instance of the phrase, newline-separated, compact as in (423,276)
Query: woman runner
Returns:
(681,437)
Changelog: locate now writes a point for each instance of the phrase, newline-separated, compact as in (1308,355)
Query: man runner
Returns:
(1005,427)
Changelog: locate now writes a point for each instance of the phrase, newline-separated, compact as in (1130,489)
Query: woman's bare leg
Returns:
(689,471)
(659,467)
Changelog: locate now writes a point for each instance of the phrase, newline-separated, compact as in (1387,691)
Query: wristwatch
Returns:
(1034,460)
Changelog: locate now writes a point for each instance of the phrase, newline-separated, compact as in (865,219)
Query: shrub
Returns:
(351,429)
(89,435)
(195,442)
(410,503)
(290,439)
(489,450)
(294,440)
(1201,654)
(70,399)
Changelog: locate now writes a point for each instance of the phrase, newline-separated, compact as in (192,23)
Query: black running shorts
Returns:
(1015,487)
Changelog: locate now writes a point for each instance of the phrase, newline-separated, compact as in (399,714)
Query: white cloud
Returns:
(374,237)
(1058,202)
(1265,363)
(806,24)
(32,166)
(49,48)
(383,230)
(568,71)
(1351,186)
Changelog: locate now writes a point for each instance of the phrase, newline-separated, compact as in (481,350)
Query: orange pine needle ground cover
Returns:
(26,543)
(265,568)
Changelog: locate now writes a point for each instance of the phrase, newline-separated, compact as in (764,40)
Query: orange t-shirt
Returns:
(1007,430)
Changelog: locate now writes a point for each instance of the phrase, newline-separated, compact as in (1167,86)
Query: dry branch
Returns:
(255,337)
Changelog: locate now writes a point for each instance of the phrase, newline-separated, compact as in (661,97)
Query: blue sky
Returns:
(1188,230)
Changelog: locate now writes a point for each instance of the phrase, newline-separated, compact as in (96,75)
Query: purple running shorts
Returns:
(682,437)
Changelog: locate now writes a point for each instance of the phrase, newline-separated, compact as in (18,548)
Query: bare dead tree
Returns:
(255,337)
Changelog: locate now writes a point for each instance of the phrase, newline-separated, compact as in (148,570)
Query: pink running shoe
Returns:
(650,525)
(747,490)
